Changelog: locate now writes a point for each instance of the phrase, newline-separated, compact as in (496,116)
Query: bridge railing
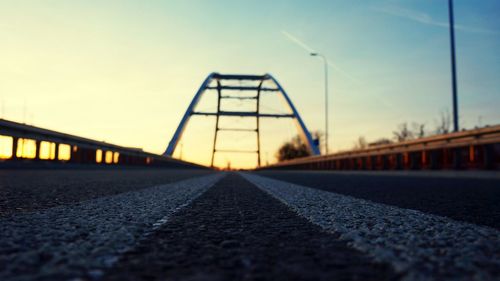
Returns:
(24,145)
(471,149)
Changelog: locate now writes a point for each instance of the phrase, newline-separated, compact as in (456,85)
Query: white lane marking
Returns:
(67,241)
(421,246)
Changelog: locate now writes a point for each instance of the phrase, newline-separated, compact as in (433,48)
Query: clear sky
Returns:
(125,71)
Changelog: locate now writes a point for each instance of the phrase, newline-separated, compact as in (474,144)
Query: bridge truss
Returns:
(249,89)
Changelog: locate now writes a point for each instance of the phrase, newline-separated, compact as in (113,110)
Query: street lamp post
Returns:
(326,97)
(453,68)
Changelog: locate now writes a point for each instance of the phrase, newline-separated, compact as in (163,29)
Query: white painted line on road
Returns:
(68,241)
(420,246)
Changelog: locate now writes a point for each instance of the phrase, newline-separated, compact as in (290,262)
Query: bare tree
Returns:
(403,133)
(444,123)
(418,129)
(360,143)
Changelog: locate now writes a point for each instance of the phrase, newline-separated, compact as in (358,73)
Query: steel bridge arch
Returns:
(190,111)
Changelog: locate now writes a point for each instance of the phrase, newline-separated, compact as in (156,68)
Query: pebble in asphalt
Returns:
(235,231)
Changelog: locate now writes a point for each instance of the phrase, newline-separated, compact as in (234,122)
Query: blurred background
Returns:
(125,71)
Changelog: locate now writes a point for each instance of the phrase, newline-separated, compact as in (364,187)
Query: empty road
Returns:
(159,224)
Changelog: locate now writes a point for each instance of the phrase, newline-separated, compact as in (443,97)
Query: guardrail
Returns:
(471,149)
(23,145)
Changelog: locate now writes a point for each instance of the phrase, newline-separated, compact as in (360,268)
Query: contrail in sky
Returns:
(297,41)
(425,18)
(330,64)
(304,46)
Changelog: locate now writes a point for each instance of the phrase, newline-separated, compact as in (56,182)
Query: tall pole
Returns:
(326,97)
(326,104)
(453,68)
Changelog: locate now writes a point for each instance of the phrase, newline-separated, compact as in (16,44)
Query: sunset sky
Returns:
(125,71)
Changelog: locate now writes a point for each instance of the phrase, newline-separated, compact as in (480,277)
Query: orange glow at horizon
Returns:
(116,157)
(108,158)
(125,74)
(47,150)
(6,143)
(26,148)
(98,156)
(64,152)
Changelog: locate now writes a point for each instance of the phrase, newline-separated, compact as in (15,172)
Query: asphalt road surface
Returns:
(199,225)
(25,191)
(468,196)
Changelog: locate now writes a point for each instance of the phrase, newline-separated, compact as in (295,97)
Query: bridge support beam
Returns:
(220,86)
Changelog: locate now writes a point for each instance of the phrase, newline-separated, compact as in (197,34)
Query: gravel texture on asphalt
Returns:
(471,199)
(81,239)
(29,190)
(420,246)
(234,231)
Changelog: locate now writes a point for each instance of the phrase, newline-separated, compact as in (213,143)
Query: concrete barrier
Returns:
(471,149)
(23,145)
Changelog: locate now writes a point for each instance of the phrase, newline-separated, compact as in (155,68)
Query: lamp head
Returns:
(314,54)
